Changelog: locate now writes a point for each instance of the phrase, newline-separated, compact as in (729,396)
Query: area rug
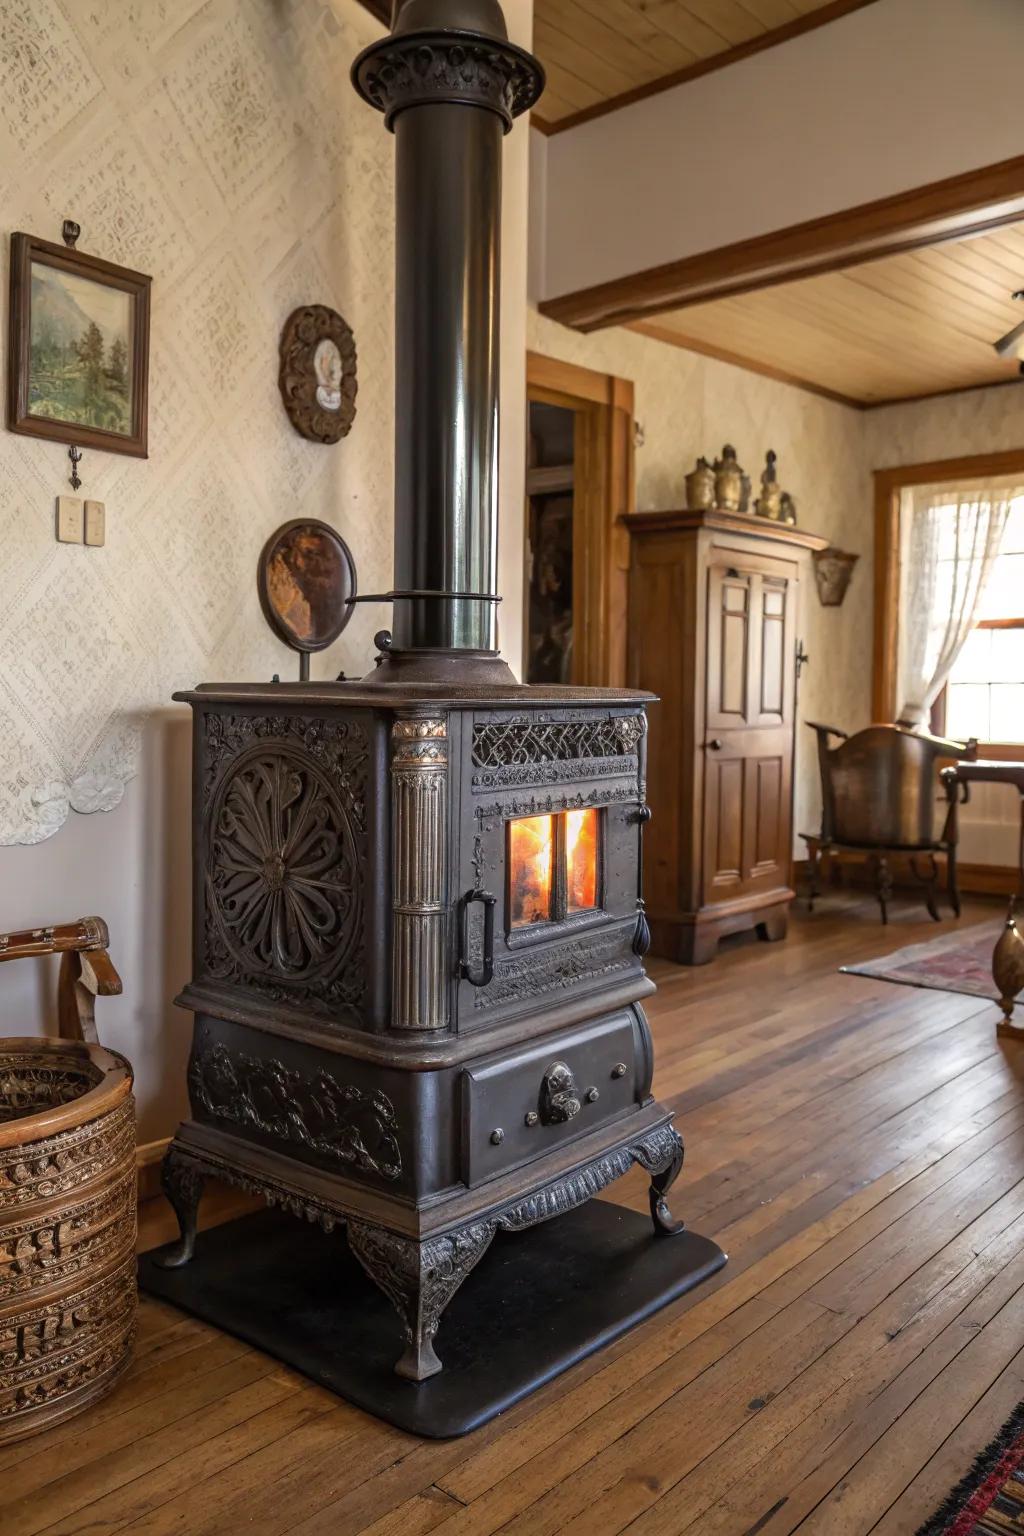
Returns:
(954,962)
(990,1499)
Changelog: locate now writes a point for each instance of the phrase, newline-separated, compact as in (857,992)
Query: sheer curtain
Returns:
(949,538)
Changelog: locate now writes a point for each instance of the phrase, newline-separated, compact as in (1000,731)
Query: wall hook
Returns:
(75,455)
(70,232)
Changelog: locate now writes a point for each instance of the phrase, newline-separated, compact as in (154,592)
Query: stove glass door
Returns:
(554,866)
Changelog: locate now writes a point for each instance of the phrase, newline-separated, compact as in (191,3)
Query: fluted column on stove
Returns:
(419,841)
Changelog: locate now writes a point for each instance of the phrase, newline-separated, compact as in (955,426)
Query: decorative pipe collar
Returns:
(417,68)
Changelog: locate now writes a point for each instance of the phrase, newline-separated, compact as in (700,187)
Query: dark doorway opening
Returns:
(549,544)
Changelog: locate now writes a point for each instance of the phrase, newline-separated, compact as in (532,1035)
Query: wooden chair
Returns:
(878,793)
(86,969)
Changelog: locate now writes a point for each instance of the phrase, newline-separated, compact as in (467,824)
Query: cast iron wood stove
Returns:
(418,934)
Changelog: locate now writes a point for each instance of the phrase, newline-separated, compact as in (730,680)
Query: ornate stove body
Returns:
(417,987)
(418,939)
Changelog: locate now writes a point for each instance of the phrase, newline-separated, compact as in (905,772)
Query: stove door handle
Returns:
(483,977)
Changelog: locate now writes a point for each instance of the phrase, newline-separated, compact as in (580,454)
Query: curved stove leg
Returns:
(419,1279)
(663,1176)
(182,1181)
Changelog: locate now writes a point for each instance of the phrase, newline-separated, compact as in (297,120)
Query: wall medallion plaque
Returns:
(317,377)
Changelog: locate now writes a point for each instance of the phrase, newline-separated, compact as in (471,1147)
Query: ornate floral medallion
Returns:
(282,877)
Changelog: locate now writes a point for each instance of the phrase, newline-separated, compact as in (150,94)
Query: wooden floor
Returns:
(859,1149)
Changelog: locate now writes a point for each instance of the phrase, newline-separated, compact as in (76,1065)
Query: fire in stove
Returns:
(554,865)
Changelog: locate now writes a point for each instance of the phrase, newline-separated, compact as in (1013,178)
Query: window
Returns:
(984,694)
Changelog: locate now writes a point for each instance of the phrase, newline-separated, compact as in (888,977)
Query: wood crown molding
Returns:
(809,22)
(943,210)
(889,482)
(751,365)
(723,521)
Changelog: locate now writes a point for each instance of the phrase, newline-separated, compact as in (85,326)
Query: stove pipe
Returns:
(449,84)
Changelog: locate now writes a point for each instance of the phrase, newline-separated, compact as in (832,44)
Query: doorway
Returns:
(548,588)
(579,486)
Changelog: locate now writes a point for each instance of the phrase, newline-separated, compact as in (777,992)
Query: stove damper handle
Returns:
(483,977)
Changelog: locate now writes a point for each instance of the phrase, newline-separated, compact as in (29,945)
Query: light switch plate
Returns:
(95,522)
(70,520)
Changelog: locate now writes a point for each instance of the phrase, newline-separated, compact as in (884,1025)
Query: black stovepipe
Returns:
(449,84)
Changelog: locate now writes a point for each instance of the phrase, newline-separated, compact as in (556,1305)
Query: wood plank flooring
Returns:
(856,1146)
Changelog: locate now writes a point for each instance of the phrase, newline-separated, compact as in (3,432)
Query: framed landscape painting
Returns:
(78,365)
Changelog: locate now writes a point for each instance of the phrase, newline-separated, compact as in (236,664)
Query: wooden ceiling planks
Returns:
(919,323)
(602,54)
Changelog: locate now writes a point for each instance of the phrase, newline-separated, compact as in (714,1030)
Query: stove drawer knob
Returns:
(559,1100)
(619,1069)
(592,1095)
(497,1136)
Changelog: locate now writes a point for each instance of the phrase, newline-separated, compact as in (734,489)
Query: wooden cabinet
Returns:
(713,615)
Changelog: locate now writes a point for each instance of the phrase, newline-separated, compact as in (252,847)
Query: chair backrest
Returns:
(86,970)
(878,786)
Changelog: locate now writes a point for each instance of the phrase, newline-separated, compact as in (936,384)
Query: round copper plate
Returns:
(307,581)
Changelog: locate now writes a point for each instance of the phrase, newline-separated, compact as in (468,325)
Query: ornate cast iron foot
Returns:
(182,1182)
(663,1176)
(419,1279)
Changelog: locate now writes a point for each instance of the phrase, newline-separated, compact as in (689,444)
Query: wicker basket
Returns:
(67,1229)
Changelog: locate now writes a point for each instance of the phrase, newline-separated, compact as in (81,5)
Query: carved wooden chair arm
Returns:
(86,969)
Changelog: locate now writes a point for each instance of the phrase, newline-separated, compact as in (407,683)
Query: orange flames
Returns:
(581,859)
(531,841)
(534,894)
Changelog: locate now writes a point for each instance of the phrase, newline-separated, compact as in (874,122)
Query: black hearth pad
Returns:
(537,1302)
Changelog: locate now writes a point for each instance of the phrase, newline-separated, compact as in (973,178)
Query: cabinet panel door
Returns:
(730,639)
(773,620)
(748,740)
(724,795)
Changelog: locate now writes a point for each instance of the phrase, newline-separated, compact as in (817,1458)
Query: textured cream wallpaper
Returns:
(974,421)
(219,147)
(687,405)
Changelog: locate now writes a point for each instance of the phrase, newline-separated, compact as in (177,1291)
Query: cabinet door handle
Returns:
(484,976)
(715,744)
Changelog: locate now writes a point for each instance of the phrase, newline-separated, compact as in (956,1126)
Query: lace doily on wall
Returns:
(216,146)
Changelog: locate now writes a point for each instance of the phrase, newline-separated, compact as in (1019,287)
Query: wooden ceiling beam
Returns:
(944,210)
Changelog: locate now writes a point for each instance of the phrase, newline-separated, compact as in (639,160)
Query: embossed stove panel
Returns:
(290,901)
(352,1119)
(531,763)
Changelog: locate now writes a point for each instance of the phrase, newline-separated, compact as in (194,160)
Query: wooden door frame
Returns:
(889,483)
(604,491)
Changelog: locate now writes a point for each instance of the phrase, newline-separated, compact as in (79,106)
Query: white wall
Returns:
(132,123)
(888,98)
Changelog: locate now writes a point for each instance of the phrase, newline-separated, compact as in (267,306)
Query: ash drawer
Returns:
(523,1102)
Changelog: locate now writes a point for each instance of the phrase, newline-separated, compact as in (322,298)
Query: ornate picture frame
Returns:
(78,348)
(317,376)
